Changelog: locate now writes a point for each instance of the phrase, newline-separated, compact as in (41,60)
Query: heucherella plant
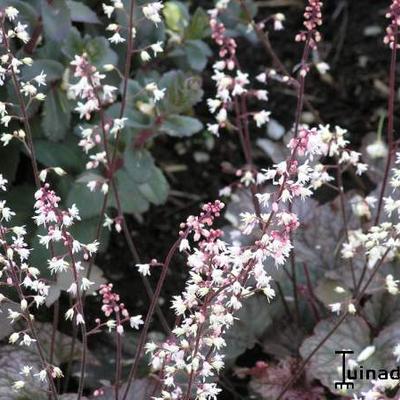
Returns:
(120,108)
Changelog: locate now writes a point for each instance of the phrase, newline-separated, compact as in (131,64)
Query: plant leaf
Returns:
(82,13)
(253,319)
(56,114)
(180,126)
(56,19)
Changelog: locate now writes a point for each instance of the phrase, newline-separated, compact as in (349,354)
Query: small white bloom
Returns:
(261,118)
(366,353)
(11,13)
(136,321)
(18,385)
(143,269)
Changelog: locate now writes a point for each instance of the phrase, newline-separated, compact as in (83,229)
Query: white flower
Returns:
(40,79)
(378,149)
(42,375)
(158,94)
(13,337)
(86,283)
(80,319)
(335,307)
(92,247)
(143,269)
(261,118)
(6,138)
(11,13)
(120,329)
(213,105)
(18,385)
(157,48)
(391,285)
(322,67)
(111,324)
(21,33)
(56,372)
(13,315)
(57,265)
(178,305)
(116,38)
(145,56)
(26,370)
(366,353)
(213,128)
(152,11)
(69,314)
(184,245)
(27,340)
(396,352)
(136,321)
(108,10)
(262,95)
(24,304)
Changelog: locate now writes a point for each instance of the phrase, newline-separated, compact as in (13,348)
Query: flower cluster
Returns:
(312,20)
(392,30)
(16,273)
(10,70)
(223,275)
(113,306)
(231,82)
(150,11)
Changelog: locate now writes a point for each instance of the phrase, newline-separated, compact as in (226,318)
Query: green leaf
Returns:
(183,91)
(139,164)
(156,188)
(62,344)
(82,13)
(5,327)
(85,232)
(180,126)
(89,203)
(12,360)
(176,16)
(135,92)
(382,309)
(353,334)
(253,319)
(199,26)
(97,49)
(27,14)
(66,155)
(132,201)
(326,293)
(197,53)
(53,70)
(56,19)
(56,114)
(65,279)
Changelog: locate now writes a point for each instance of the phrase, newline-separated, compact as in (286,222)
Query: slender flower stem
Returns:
(390,123)
(82,324)
(150,312)
(391,143)
(17,285)
(118,359)
(344,218)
